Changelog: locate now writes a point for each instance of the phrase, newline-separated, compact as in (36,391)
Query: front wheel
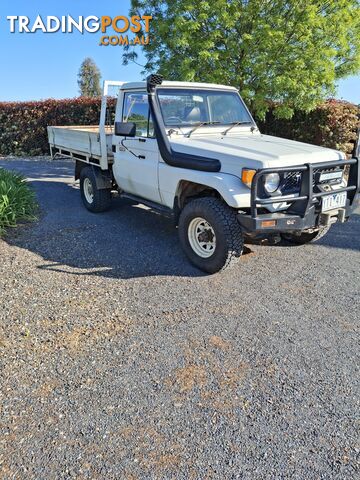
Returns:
(210,234)
(302,238)
(96,200)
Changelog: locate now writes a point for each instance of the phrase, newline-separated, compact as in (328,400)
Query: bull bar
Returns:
(304,211)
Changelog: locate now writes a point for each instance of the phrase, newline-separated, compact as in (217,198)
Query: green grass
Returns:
(17,200)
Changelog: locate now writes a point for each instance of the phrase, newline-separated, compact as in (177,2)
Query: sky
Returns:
(45,65)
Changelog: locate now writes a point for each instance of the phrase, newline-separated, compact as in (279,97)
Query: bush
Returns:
(333,124)
(17,200)
(23,124)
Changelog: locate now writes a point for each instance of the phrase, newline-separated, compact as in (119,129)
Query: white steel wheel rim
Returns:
(202,237)
(88,190)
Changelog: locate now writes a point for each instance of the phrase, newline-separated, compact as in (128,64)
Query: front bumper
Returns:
(304,211)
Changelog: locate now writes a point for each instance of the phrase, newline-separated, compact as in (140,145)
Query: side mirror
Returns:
(125,129)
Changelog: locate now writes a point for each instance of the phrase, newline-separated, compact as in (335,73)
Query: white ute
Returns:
(194,150)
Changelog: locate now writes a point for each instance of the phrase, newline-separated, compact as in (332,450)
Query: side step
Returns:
(166,211)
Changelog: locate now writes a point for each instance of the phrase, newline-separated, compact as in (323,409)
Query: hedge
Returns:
(23,124)
(332,124)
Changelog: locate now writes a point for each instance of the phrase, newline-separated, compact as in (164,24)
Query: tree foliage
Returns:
(291,52)
(89,79)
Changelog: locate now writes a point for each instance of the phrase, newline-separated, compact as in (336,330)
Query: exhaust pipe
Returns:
(171,157)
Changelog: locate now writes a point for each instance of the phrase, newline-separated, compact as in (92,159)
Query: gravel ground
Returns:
(121,361)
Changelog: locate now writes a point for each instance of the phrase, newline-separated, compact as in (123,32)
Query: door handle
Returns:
(142,157)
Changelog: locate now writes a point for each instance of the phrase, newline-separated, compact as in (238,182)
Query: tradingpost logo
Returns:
(117,31)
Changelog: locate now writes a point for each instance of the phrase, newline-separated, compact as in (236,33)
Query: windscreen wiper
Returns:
(200,125)
(235,124)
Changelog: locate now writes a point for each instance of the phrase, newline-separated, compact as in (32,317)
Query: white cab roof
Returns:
(133,85)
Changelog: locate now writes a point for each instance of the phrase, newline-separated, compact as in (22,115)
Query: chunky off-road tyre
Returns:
(305,237)
(94,199)
(210,234)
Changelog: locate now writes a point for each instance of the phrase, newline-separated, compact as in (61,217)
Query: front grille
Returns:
(291,181)
(318,171)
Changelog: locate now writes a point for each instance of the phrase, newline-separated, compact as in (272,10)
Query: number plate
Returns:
(333,201)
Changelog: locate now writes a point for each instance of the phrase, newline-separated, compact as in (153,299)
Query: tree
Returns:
(89,79)
(290,52)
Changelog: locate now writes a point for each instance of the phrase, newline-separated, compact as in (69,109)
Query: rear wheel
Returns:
(96,200)
(304,237)
(210,235)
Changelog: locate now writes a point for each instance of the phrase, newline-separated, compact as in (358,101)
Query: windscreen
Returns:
(186,107)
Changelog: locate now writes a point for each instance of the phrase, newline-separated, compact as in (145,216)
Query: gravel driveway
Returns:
(121,361)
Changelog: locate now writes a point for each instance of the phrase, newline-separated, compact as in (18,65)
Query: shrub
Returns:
(23,124)
(17,200)
(333,124)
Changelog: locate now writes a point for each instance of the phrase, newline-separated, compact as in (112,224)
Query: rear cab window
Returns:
(136,109)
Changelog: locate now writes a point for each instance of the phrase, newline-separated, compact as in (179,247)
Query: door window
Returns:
(136,109)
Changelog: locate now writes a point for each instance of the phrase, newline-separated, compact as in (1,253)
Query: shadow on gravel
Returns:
(128,241)
(344,235)
(341,235)
(36,170)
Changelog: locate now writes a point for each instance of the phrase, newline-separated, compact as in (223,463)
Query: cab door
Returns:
(137,158)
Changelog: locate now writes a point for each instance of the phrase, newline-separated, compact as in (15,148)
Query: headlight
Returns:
(271,182)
